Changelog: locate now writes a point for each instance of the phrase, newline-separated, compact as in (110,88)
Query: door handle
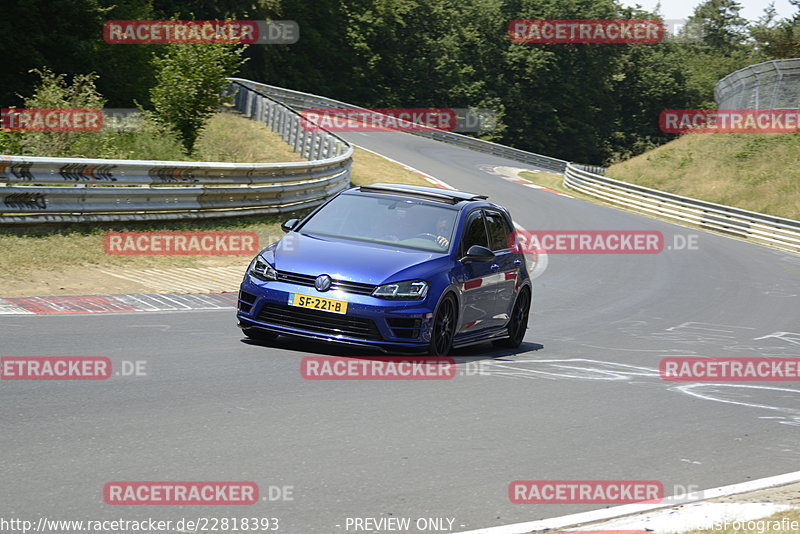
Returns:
(517,263)
(495,267)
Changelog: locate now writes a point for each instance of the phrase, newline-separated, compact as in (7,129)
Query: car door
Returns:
(506,266)
(477,292)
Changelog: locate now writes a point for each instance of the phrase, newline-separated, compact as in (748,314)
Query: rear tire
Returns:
(259,335)
(518,322)
(444,327)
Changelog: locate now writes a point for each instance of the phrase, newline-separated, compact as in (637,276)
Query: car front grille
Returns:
(342,285)
(327,323)
(246,301)
(404,327)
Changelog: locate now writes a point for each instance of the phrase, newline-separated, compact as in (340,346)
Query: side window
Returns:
(499,231)
(475,233)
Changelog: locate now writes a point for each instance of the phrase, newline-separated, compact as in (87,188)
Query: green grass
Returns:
(29,255)
(82,245)
(758,172)
(549,180)
(230,137)
(369,168)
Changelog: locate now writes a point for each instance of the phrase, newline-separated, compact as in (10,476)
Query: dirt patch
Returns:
(204,275)
(781,495)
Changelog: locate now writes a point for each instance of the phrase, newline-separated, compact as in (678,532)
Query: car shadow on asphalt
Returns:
(472,353)
(485,351)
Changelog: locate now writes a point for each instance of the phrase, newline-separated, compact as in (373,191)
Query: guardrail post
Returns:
(248,103)
(312,143)
(322,150)
(271,115)
(317,148)
(262,109)
(258,106)
(283,124)
(292,132)
(297,133)
(303,142)
(237,98)
(330,147)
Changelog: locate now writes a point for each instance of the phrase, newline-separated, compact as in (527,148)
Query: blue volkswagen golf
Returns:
(395,267)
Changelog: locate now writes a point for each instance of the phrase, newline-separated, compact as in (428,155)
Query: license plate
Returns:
(317,303)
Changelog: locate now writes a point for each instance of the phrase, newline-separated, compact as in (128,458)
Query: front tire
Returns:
(444,328)
(518,322)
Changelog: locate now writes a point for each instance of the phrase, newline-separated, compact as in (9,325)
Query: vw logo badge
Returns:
(323,282)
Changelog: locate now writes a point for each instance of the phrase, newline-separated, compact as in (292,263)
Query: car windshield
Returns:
(401,222)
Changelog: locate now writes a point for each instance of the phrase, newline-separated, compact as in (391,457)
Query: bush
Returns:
(53,91)
(144,139)
(189,82)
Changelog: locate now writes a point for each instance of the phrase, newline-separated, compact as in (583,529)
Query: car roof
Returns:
(449,196)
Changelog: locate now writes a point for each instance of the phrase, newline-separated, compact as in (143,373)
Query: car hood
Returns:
(341,259)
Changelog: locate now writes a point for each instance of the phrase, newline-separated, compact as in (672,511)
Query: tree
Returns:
(721,26)
(189,82)
(778,38)
(45,33)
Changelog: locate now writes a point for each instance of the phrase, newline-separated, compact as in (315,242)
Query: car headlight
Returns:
(262,270)
(408,290)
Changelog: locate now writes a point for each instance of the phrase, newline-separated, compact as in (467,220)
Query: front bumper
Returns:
(369,321)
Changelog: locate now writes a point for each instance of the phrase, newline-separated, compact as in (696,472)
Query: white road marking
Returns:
(691,389)
(581,519)
(701,515)
(430,178)
(586,369)
(510,174)
(174,302)
(6,308)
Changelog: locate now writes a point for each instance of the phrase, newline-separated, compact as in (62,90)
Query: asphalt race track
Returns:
(581,400)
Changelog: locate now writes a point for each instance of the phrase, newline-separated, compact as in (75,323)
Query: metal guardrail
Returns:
(121,190)
(304,101)
(43,190)
(768,85)
(775,231)
(590,168)
(757,227)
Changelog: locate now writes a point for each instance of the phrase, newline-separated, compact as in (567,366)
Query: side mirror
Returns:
(479,254)
(289,225)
